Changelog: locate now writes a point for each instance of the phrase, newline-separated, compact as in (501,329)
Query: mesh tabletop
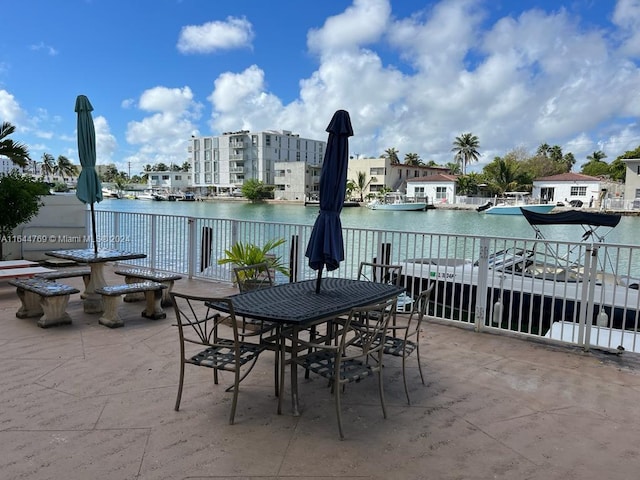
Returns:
(88,255)
(298,303)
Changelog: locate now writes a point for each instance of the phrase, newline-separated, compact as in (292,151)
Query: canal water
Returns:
(439,221)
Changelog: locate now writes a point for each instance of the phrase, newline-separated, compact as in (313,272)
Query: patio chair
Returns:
(380,272)
(202,346)
(257,277)
(342,363)
(404,344)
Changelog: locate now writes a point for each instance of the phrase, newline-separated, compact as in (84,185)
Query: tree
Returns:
(454,168)
(597,156)
(186,167)
(48,165)
(64,167)
(504,175)
(17,152)
(595,165)
(20,200)
(360,184)
(392,154)
(468,184)
(412,159)
(256,190)
(466,150)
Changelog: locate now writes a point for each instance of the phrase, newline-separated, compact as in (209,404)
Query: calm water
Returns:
(459,222)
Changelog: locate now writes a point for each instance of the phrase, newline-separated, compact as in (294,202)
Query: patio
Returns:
(84,401)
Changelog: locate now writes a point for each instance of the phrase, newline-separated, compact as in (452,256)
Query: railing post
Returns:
(586,300)
(192,242)
(152,253)
(481,290)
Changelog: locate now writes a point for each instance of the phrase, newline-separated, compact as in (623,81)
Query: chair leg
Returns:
(180,385)
(419,363)
(404,377)
(338,410)
(381,389)
(234,402)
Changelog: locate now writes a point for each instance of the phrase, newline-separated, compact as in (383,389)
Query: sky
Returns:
(412,74)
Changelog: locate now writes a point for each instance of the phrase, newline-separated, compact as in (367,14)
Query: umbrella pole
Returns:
(319,280)
(93,229)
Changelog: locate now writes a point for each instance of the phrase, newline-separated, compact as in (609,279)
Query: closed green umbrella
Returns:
(89,188)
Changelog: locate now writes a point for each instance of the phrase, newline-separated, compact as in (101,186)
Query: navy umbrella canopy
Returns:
(326,246)
(89,188)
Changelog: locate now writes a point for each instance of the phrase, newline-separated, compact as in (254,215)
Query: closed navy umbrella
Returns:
(89,188)
(326,247)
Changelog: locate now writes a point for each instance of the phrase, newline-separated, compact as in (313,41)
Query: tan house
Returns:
(381,174)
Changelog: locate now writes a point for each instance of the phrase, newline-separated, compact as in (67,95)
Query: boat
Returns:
(396,201)
(188,197)
(147,194)
(109,193)
(513,203)
(533,284)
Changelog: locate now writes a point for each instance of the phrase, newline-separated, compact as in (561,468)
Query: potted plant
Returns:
(242,254)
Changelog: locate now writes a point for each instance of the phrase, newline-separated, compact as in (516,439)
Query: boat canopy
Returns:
(590,222)
(572,217)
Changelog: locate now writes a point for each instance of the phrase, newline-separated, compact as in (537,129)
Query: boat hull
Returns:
(515,209)
(399,207)
(526,304)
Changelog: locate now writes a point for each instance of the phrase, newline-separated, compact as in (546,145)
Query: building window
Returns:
(376,171)
(267,140)
(165,177)
(441,192)
(178,177)
(578,191)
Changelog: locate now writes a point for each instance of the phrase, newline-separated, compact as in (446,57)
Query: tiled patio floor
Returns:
(87,402)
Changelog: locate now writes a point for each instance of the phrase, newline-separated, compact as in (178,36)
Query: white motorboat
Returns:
(109,193)
(513,203)
(396,201)
(531,286)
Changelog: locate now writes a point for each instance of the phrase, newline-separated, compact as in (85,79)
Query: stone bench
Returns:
(134,275)
(12,273)
(84,272)
(43,298)
(111,293)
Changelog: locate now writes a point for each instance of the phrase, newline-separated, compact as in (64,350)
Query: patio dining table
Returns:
(298,307)
(92,302)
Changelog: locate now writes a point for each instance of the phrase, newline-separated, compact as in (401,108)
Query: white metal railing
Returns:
(574,292)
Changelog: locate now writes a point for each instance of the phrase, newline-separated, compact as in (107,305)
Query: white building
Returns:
(222,163)
(566,187)
(170,180)
(298,181)
(632,182)
(438,188)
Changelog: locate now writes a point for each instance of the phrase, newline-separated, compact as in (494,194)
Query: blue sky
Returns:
(413,74)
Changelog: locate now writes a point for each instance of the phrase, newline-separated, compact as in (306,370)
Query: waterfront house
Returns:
(438,188)
(566,187)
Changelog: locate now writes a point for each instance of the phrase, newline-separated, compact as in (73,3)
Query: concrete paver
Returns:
(84,401)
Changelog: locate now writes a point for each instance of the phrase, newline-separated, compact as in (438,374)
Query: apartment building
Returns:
(222,163)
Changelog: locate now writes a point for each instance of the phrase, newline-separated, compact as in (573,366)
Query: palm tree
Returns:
(48,165)
(361,184)
(466,150)
(543,150)
(17,152)
(64,167)
(454,168)
(412,159)
(597,156)
(392,154)
(144,175)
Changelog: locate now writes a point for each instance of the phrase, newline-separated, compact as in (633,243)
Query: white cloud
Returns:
(47,48)
(10,110)
(214,36)
(359,25)
(162,136)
